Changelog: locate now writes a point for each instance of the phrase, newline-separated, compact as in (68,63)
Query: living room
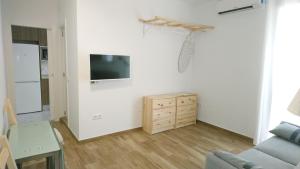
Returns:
(233,60)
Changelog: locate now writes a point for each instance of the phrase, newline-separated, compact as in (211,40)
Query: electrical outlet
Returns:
(97,117)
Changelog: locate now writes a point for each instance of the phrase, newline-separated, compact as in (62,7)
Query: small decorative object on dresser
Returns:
(169,111)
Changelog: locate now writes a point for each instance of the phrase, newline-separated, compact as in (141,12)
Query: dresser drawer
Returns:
(185,123)
(162,128)
(186,100)
(186,115)
(186,109)
(185,120)
(163,113)
(163,103)
(164,122)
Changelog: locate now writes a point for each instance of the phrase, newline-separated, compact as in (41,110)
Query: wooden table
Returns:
(34,141)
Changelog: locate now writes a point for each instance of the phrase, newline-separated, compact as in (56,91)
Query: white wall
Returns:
(226,71)
(32,13)
(2,75)
(227,68)
(68,20)
(112,27)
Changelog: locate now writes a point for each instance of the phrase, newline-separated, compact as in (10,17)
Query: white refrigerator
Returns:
(27,78)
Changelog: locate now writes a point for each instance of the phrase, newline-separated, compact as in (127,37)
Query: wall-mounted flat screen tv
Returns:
(109,67)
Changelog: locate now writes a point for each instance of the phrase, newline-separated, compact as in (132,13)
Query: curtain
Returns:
(281,70)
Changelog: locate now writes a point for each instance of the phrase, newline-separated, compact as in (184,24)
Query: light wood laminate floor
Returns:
(183,148)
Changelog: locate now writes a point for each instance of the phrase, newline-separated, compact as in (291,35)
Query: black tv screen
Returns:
(105,67)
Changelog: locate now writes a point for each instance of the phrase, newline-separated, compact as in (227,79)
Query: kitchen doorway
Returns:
(31,75)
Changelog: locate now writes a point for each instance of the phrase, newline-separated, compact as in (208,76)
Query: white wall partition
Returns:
(112,27)
(226,72)
(2,74)
(228,66)
(68,20)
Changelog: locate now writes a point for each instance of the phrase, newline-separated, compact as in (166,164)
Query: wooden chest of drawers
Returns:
(165,112)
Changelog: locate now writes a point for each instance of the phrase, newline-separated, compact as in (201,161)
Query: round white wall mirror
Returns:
(186,53)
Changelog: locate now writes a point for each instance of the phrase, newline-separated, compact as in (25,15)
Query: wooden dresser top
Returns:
(171,95)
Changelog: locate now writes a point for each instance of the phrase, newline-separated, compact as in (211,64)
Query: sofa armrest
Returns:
(214,162)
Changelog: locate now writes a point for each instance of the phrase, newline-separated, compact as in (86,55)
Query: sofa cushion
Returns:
(281,149)
(298,166)
(287,131)
(265,160)
(236,161)
(214,162)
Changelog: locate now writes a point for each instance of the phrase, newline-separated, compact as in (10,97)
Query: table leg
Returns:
(50,162)
(56,160)
(62,159)
(19,165)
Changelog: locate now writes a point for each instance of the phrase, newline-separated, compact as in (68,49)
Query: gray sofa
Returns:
(274,153)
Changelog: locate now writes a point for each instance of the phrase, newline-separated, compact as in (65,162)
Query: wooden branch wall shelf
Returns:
(160,21)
